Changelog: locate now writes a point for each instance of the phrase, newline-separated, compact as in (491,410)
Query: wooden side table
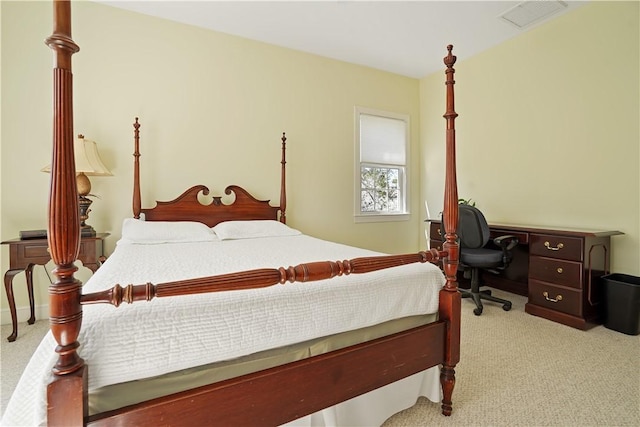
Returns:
(24,254)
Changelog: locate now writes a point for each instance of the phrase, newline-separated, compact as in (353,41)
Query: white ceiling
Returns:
(403,37)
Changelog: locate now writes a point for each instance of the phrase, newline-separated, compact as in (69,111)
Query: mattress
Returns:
(152,336)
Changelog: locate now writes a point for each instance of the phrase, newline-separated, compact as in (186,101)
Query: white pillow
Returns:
(229,230)
(151,232)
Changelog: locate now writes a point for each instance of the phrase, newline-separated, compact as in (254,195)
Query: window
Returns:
(381,170)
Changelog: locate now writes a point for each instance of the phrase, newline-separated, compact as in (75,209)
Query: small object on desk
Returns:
(25,253)
(33,234)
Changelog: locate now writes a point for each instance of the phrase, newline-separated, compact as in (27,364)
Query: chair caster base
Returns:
(506,307)
(477,311)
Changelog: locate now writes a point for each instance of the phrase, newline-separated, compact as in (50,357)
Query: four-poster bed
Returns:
(273,394)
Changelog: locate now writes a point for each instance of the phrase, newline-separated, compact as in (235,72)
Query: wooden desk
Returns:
(558,270)
(24,254)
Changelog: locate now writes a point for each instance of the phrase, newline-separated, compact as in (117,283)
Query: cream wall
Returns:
(212,109)
(548,132)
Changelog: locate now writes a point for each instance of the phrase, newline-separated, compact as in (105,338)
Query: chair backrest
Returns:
(473,230)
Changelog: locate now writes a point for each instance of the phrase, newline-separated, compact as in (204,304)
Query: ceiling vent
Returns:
(529,12)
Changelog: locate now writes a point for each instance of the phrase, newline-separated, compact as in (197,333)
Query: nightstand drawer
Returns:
(556,298)
(36,252)
(90,250)
(559,272)
(561,247)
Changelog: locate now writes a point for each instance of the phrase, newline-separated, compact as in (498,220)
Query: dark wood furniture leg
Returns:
(29,273)
(8,287)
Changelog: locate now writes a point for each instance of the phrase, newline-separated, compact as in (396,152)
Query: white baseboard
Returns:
(42,312)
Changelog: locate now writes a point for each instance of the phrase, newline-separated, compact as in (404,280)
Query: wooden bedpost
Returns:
(283,182)
(66,393)
(450,298)
(137,202)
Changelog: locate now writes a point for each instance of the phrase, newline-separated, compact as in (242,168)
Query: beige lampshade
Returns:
(88,162)
(87,158)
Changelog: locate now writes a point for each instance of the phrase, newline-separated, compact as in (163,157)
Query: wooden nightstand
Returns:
(24,254)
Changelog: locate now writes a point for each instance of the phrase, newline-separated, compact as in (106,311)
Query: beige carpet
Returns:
(521,370)
(15,355)
(516,370)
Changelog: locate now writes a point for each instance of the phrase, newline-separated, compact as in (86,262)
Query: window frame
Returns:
(403,185)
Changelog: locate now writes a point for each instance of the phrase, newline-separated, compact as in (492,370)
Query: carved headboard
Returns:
(188,207)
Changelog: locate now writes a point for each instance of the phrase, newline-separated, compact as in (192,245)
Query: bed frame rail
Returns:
(226,403)
(259,278)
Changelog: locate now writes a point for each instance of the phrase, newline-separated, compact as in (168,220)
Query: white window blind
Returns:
(382,140)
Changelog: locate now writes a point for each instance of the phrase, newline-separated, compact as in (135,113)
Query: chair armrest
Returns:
(506,242)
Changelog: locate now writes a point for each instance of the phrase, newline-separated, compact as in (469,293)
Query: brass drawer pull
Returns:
(545,294)
(551,248)
(439,232)
(559,270)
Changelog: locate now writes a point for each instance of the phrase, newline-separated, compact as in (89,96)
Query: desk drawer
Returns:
(435,244)
(556,298)
(560,272)
(555,246)
(436,232)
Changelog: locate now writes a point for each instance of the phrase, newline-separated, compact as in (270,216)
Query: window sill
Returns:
(381,218)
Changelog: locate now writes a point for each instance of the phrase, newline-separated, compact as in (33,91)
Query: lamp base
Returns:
(85,229)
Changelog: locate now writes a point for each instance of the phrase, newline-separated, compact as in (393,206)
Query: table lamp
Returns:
(88,163)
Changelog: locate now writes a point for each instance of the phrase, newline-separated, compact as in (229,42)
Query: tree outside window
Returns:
(380,189)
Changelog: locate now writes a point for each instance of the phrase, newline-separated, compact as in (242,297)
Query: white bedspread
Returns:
(151,338)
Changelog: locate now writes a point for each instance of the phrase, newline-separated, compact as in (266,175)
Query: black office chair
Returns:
(473,235)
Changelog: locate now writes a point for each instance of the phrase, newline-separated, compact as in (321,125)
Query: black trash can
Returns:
(622,303)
